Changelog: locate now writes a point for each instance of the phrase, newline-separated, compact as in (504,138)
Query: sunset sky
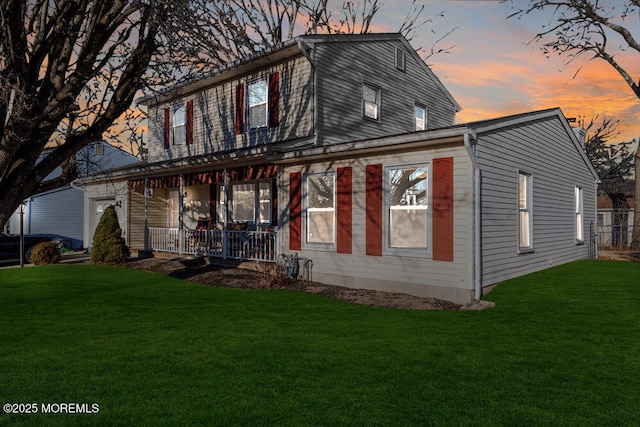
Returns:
(492,71)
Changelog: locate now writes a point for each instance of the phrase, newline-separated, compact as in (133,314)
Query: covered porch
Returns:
(227,213)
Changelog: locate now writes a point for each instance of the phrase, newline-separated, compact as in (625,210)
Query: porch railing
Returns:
(229,244)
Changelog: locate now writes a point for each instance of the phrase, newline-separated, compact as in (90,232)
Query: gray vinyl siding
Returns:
(543,149)
(343,67)
(214,115)
(58,212)
(396,273)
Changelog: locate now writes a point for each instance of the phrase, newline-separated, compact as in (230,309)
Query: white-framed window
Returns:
(320,212)
(179,124)
(407,207)
(420,117)
(243,202)
(579,209)
(257,102)
(249,202)
(525,212)
(264,201)
(399,58)
(371,101)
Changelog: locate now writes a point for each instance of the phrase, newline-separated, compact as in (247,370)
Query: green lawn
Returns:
(562,347)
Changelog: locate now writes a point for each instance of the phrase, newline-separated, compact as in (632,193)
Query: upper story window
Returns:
(371,101)
(99,149)
(179,124)
(320,208)
(257,103)
(420,117)
(407,207)
(525,216)
(579,209)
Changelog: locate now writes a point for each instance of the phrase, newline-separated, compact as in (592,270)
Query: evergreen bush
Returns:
(108,244)
(45,253)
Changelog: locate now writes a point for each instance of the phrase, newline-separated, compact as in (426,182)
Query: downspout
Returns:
(477,229)
(304,48)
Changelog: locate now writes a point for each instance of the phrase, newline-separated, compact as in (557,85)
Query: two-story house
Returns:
(342,149)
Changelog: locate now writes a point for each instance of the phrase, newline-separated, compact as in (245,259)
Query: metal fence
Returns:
(615,229)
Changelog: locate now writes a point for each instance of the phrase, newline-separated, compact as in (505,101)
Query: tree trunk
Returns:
(635,241)
(619,220)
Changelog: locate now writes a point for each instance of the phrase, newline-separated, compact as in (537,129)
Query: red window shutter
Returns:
(274,99)
(167,128)
(374,210)
(344,232)
(443,209)
(295,211)
(190,122)
(239,108)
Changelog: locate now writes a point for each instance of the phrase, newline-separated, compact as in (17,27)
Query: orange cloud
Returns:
(519,82)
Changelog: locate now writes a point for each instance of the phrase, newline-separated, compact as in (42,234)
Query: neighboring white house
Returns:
(60,212)
(343,150)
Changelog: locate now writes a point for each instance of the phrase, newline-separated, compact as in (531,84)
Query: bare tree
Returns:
(635,240)
(68,70)
(614,163)
(219,32)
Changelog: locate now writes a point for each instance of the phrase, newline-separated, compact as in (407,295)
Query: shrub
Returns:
(108,244)
(45,253)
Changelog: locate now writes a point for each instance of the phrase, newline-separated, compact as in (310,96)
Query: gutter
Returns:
(74,184)
(477,199)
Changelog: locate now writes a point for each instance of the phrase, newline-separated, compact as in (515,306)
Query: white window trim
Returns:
(305,217)
(249,126)
(378,102)
(528,208)
(256,202)
(425,118)
(579,215)
(423,253)
(174,108)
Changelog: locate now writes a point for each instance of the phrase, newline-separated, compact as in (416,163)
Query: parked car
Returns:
(10,245)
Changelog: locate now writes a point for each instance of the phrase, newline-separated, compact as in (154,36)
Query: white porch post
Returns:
(146,212)
(225,212)
(181,215)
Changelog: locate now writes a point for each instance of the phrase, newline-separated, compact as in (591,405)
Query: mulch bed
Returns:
(256,276)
